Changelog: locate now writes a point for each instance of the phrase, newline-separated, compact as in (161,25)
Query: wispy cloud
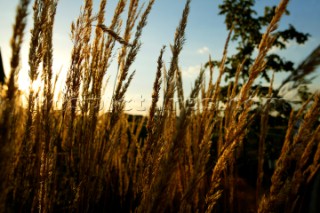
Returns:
(191,71)
(203,50)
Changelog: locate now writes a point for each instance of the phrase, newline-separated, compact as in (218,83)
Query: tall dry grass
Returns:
(77,159)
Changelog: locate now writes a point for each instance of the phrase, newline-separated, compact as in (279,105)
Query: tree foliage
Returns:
(248,27)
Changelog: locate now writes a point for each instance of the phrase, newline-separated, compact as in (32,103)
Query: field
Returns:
(186,155)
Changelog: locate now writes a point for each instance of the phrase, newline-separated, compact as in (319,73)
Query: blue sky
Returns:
(205,34)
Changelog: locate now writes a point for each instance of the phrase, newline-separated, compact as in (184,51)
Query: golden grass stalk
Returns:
(160,185)
(179,40)
(121,86)
(236,130)
(152,122)
(9,127)
(291,172)
(47,147)
(264,46)
(261,150)
(16,43)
